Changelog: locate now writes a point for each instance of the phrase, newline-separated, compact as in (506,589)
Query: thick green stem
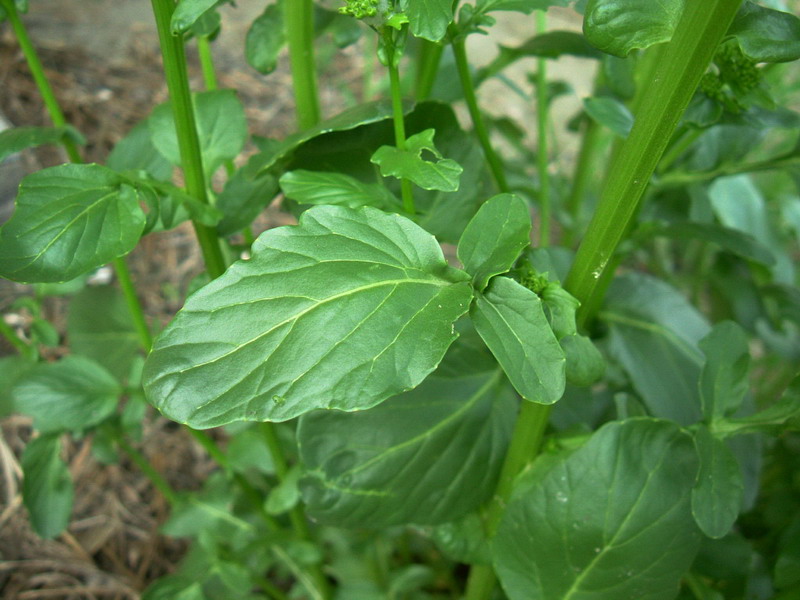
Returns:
(543,117)
(174,57)
(299,19)
(467,86)
(400,132)
(37,71)
(149,471)
(664,99)
(430,55)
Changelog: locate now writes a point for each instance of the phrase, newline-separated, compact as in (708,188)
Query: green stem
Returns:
(525,444)
(207,63)
(149,471)
(134,306)
(400,132)
(542,113)
(37,71)
(299,19)
(467,86)
(174,58)
(8,332)
(682,63)
(430,55)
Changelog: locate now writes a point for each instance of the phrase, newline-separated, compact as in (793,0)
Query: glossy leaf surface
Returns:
(610,520)
(621,26)
(342,311)
(69,395)
(47,490)
(428,456)
(717,496)
(494,238)
(766,35)
(511,320)
(69,219)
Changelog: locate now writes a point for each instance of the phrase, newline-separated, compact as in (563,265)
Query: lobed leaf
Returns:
(69,219)
(47,490)
(610,520)
(621,26)
(441,174)
(342,311)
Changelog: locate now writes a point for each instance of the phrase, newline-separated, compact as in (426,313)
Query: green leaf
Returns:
(47,490)
(187,12)
(429,18)
(621,26)
(17,139)
(585,364)
(69,219)
(653,334)
(717,495)
(174,587)
(494,238)
(284,496)
(511,320)
(766,35)
(443,174)
(610,520)
(12,369)
(99,326)
(611,113)
(318,187)
(136,152)
(265,39)
(221,127)
(786,410)
(342,311)
(724,380)
(525,6)
(72,394)
(242,198)
(428,456)
(464,540)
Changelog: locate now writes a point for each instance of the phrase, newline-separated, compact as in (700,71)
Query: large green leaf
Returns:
(69,219)
(221,127)
(342,311)
(99,325)
(724,380)
(494,238)
(511,320)
(653,334)
(621,26)
(19,138)
(766,35)
(136,151)
(47,490)
(611,520)
(242,198)
(428,456)
(72,394)
(717,495)
(429,18)
(408,163)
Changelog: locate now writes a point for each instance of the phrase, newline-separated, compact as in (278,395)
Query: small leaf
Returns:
(341,311)
(585,364)
(429,18)
(511,320)
(464,540)
(47,490)
(724,380)
(717,495)
(766,35)
(494,238)
(285,496)
(443,174)
(621,26)
(69,219)
(17,139)
(265,38)
(611,113)
(72,394)
(614,517)
(317,187)
(189,11)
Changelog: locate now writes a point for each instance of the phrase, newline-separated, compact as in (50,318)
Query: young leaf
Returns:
(187,12)
(69,219)
(610,520)
(72,394)
(653,333)
(285,496)
(428,456)
(621,26)
(265,38)
(429,18)
(611,113)
(318,187)
(494,238)
(19,138)
(724,379)
(47,490)
(766,35)
(717,495)
(342,311)
(511,320)
(221,127)
(443,174)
